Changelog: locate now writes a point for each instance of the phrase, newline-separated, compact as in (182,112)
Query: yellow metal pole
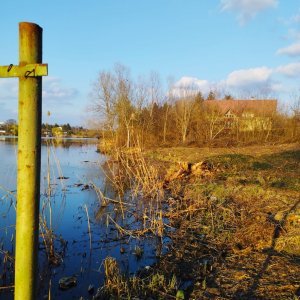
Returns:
(29,162)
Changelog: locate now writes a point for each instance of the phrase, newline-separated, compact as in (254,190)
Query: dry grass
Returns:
(196,154)
(139,188)
(117,286)
(237,219)
(141,177)
(247,207)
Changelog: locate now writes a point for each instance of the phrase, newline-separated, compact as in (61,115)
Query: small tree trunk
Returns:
(165,124)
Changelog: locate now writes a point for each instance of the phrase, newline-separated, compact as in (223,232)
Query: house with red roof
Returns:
(246,115)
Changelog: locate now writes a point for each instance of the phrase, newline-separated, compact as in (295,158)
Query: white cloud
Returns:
(293,34)
(247,77)
(290,70)
(258,81)
(296,18)
(247,9)
(54,90)
(8,88)
(8,98)
(291,50)
(186,86)
(278,87)
(192,82)
(56,97)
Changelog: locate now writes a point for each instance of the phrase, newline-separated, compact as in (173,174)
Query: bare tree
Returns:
(155,91)
(184,107)
(124,106)
(215,122)
(112,102)
(166,107)
(296,118)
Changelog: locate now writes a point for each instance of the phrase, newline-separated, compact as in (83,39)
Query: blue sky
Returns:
(243,47)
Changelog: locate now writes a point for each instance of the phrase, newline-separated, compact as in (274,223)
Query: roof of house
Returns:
(239,106)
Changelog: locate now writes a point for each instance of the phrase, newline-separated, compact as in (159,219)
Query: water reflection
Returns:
(81,228)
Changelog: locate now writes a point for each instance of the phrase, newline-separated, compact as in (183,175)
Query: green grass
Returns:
(261,165)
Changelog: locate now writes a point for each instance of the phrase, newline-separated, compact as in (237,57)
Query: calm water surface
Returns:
(71,200)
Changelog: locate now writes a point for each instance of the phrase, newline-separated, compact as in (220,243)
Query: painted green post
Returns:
(29,71)
(29,162)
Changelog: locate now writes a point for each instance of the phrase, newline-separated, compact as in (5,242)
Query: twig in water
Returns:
(89,225)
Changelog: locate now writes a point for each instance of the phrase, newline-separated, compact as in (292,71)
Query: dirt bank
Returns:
(237,219)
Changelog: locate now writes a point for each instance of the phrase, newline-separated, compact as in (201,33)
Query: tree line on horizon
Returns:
(139,112)
(10,127)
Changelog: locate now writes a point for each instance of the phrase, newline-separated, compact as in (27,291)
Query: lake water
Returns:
(73,204)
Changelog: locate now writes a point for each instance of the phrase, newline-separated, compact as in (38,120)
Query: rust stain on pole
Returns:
(29,71)
(29,162)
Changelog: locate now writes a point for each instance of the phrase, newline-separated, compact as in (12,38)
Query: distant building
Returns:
(46,133)
(247,115)
(2,128)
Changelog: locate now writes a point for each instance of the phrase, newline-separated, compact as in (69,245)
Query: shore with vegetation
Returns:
(234,216)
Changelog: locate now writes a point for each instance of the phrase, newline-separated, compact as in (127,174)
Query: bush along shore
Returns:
(233,217)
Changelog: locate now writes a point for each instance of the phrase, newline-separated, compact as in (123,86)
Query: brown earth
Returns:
(236,212)
(237,216)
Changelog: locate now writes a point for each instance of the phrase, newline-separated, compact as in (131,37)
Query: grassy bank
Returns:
(237,218)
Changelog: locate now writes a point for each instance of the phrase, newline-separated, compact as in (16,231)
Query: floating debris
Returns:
(85,187)
(63,177)
(138,252)
(180,295)
(68,282)
(91,289)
